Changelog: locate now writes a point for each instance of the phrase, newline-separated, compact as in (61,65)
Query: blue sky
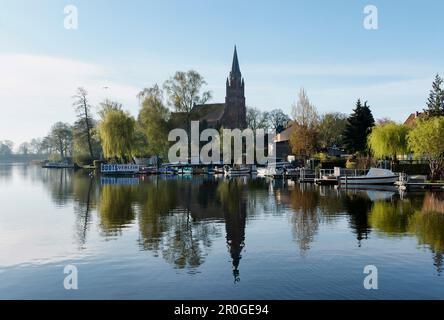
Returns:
(282,45)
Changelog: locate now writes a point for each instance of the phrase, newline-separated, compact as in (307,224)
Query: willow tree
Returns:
(426,140)
(116,132)
(389,140)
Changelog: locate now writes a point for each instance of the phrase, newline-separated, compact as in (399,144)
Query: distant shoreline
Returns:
(22,158)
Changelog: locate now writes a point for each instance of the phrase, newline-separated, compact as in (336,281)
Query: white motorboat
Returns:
(373,176)
(277,168)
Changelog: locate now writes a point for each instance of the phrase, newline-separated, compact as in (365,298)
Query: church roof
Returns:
(211,112)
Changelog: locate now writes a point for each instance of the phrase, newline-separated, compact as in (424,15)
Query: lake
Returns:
(205,237)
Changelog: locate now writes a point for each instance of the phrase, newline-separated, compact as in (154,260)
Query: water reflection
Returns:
(179,219)
(5,172)
(304,200)
(234,205)
(357,205)
(85,193)
(422,217)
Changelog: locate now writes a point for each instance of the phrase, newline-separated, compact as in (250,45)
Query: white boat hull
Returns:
(368,180)
(237,172)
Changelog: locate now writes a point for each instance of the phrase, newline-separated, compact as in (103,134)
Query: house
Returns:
(413,117)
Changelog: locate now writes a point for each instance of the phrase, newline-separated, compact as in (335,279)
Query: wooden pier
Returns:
(421,186)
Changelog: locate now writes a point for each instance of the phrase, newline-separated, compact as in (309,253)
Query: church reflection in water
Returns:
(235,213)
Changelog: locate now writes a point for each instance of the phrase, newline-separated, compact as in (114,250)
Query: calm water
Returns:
(211,238)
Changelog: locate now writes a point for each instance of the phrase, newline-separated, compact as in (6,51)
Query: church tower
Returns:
(235,113)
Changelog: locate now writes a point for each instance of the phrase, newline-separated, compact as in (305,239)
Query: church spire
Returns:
(235,70)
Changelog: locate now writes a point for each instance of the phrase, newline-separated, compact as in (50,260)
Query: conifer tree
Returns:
(435,103)
(358,127)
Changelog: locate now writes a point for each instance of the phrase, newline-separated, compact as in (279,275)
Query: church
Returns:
(233,113)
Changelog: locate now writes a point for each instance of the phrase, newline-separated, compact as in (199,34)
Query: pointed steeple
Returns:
(235,70)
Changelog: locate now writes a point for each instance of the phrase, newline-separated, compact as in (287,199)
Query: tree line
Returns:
(118,135)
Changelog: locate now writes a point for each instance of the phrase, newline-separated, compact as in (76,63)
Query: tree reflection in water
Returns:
(304,200)
(357,205)
(170,220)
(405,218)
(116,208)
(5,172)
(85,193)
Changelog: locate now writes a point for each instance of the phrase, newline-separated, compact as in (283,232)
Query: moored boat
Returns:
(373,176)
(59,165)
(278,169)
(237,170)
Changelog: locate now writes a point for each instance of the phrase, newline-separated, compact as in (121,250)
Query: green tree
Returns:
(358,127)
(80,140)
(85,120)
(331,129)
(152,122)
(60,138)
(116,132)
(389,140)
(426,140)
(435,103)
(184,92)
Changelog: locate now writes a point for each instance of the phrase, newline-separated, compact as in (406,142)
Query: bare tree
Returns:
(303,112)
(83,110)
(257,119)
(278,120)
